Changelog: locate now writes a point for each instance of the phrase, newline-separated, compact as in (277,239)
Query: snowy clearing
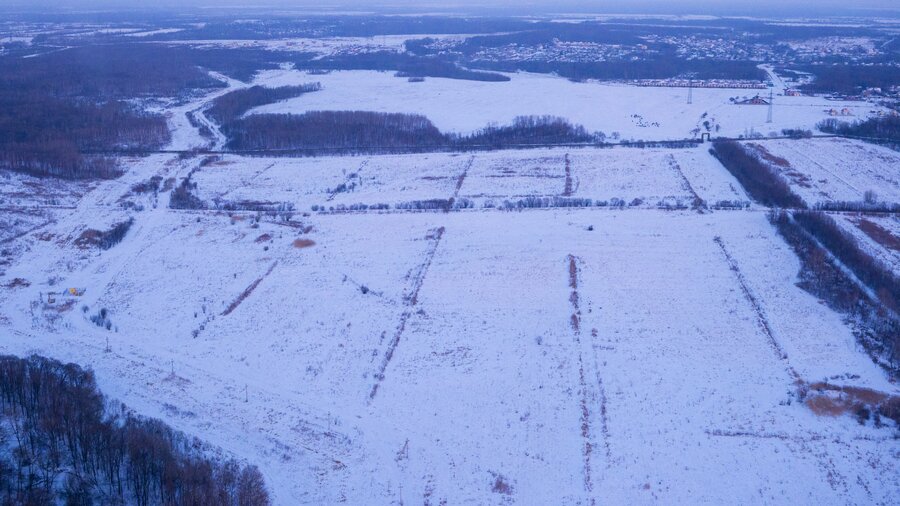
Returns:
(542,356)
(634,112)
(550,356)
(825,170)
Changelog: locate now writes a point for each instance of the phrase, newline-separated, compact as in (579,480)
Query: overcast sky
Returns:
(716,7)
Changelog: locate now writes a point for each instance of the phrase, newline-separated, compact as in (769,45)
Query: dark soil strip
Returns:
(761,319)
(247,291)
(410,299)
(585,401)
(879,234)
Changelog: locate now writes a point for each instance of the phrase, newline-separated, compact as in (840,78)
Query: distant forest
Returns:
(57,106)
(232,105)
(884,130)
(62,442)
(406,65)
(374,132)
(850,79)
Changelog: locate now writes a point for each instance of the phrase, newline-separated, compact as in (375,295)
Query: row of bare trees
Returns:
(63,442)
(824,250)
(761,181)
(233,105)
(375,132)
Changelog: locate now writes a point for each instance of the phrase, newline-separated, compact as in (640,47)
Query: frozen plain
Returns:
(543,356)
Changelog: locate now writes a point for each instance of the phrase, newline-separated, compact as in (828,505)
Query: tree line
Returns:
(850,79)
(405,64)
(762,182)
(233,105)
(813,235)
(58,106)
(376,132)
(64,442)
(885,129)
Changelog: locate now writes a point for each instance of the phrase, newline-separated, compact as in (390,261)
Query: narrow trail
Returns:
(686,183)
(410,300)
(591,392)
(567,189)
(459,183)
(761,319)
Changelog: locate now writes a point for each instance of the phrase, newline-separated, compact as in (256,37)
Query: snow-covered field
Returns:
(633,112)
(823,170)
(545,356)
(653,176)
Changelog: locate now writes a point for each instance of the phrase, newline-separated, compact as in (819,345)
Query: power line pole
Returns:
(690,92)
(771,101)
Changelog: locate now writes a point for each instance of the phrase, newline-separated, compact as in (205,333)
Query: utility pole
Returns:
(691,91)
(771,102)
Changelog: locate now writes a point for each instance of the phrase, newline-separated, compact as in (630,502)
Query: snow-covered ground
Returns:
(546,356)
(465,328)
(651,175)
(634,112)
(823,170)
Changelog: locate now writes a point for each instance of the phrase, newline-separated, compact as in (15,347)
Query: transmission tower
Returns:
(771,99)
(690,92)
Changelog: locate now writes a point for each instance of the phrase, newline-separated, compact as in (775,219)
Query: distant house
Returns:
(790,92)
(757,100)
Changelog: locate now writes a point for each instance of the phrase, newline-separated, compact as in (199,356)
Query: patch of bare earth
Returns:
(879,234)
(303,243)
(826,399)
(797,178)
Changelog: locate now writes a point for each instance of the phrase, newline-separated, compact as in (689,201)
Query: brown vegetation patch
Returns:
(65,306)
(501,486)
(17,282)
(824,405)
(90,238)
(879,234)
(769,157)
(835,400)
(264,238)
(303,243)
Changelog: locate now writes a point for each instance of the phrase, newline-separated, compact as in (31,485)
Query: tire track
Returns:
(410,299)
(761,320)
(459,182)
(588,397)
(698,203)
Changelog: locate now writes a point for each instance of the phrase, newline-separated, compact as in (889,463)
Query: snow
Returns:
(650,175)
(484,380)
(430,356)
(455,105)
(835,169)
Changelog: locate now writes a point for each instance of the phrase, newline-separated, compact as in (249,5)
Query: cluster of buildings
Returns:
(559,51)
